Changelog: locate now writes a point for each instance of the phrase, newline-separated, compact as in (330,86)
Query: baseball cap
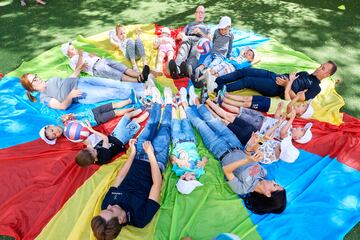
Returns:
(307,136)
(289,153)
(186,187)
(224,22)
(43,137)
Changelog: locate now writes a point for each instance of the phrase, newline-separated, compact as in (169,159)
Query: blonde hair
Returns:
(28,87)
(117,27)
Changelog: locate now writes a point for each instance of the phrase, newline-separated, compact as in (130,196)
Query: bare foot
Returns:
(40,2)
(156,73)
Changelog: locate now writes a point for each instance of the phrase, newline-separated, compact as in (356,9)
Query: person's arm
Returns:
(125,169)
(269,134)
(104,138)
(278,112)
(54,103)
(228,55)
(289,81)
(285,128)
(156,43)
(291,104)
(230,168)
(155,172)
(113,39)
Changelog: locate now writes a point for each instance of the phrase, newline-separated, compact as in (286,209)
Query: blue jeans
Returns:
(260,80)
(125,129)
(216,136)
(181,130)
(159,137)
(102,89)
(134,50)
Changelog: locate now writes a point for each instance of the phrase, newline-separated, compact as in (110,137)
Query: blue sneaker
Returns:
(134,100)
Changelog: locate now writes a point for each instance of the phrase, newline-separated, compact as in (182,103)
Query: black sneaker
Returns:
(204,95)
(197,84)
(173,69)
(183,70)
(145,73)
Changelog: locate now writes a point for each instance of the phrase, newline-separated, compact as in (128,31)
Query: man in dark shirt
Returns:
(187,55)
(134,197)
(271,84)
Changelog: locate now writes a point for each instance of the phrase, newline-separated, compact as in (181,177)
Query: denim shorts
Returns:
(125,129)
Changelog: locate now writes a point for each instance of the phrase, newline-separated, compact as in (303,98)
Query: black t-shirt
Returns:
(309,82)
(104,155)
(133,195)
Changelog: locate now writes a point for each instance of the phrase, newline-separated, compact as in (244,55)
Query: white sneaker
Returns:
(168,95)
(150,82)
(210,82)
(183,95)
(192,95)
(156,96)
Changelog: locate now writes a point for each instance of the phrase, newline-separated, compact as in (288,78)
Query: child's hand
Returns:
(148,148)
(75,93)
(202,163)
(282,81)
(132,147)
(88,125)
(293,76)
(298,94)
(258,156)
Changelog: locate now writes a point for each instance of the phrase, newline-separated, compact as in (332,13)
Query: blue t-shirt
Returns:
(87,114)
(132,195)
(187,151)
(306,81)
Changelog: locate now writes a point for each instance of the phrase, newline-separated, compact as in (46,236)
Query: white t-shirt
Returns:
(94,139)
(269,122)
(121,43)
(88,60)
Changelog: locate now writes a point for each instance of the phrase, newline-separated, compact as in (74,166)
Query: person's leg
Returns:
(194,55)
(140,50)
(230,108)
(183,52)
(126,78)
(186,126)
(130,53)
(161,141)
(101,89)
(245,102)
(150,129)
(218,127)
(132,73)
(126,128)
(221,112)
(212,141)
(255,118)
(260,103)
(170,55)
(159,63)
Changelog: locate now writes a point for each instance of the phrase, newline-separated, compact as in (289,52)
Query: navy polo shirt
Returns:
(309,82)
(132,195)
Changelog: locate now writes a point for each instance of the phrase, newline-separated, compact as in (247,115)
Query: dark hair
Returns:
(333,68)
(260,204)
(105,230)
(28,87)
(84,158)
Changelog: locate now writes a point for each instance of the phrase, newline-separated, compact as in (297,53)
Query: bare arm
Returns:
(269,134)
(125,169)
(54,103)
(278,112)
(155,172)
(101,135)
(229,169)
(284,130)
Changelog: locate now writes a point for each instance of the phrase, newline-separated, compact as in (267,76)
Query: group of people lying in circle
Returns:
(232,127)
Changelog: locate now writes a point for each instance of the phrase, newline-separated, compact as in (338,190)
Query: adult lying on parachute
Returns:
(60,93)
(244,175)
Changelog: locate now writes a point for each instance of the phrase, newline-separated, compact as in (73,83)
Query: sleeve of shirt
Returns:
(113,36)
(45,99)
(312,92)
(237,186)
(228,55)
(147,214)
(107,199)
(186,29)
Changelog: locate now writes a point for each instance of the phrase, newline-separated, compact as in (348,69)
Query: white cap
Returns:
(43,137)
(65,48)
(307,136)
(186,187)
(289,153)
(166,30)
(309,111)
(224,22)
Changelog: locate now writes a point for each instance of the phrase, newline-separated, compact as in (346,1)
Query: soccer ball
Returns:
(203,46)
(76,131)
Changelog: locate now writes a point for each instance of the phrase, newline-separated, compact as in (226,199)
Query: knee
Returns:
(130,44)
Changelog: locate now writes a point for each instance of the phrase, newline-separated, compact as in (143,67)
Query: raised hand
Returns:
(258,156)
(282,81)
(293,76)
(132,146)
(148,148)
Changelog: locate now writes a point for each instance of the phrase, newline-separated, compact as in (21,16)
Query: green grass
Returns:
(316,28)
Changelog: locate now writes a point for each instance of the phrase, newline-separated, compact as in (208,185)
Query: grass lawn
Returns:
(317,28)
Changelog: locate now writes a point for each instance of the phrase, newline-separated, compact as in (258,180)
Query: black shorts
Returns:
(260,103)
(103,113)
(242,130)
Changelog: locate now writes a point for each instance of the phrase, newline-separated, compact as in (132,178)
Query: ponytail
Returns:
(28,87)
